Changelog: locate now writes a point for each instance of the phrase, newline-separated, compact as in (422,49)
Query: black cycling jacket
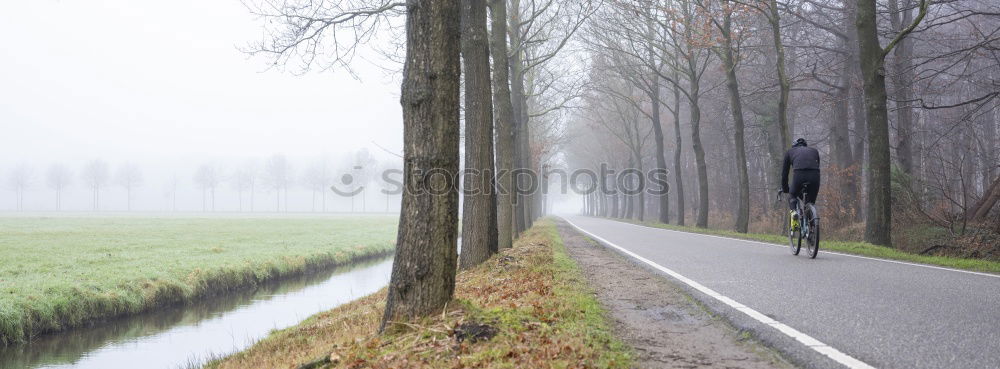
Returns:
(798,158)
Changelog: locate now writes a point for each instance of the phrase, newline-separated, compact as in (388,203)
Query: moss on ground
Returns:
(63,272)
(527,307)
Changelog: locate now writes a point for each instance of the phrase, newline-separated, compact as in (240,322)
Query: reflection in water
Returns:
(177,336)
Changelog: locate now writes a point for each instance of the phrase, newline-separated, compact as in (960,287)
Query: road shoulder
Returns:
(666,327)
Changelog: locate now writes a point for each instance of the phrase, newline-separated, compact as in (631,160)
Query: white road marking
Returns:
(805,339)
(827,252)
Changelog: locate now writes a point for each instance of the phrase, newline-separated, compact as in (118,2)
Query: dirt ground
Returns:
(665,326)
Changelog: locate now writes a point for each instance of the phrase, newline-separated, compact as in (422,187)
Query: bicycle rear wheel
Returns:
(812,241)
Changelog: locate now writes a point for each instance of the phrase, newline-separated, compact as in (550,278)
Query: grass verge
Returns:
(527,307)
(855,248)
(64,272)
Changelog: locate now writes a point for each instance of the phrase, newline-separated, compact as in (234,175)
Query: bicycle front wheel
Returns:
(812,241)
(794,236)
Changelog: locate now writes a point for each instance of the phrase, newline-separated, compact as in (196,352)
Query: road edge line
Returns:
(808,341)
(826,252)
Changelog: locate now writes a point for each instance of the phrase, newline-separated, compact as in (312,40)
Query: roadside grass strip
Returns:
(526,307)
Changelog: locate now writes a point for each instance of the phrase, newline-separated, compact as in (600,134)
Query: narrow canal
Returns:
(187,335)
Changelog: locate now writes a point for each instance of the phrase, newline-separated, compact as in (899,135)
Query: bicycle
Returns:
(808,227)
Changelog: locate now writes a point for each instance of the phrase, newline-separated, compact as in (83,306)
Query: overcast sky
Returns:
(163,82)
(111,78)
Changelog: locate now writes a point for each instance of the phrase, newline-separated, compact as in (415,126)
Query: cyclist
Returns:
(804,161)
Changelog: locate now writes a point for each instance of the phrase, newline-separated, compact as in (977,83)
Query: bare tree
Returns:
(317,178)
(479,215)
(95,175)
(363,167)
(278,177)
(879,222)
(390,171)
(687,44)
(19,180)
(504,123)
(58,178)
(325,34)
(245,180)
(672,41)
(938,119)
(615,108)
(129,177)
(170,191)
(628,42)
(729,52)
(207,177)
(423,273)
(538,31)
(773,16)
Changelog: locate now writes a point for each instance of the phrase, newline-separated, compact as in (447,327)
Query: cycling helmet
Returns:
(800,142)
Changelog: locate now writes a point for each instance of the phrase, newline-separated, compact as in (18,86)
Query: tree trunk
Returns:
(989,200)
(990,161)
(732,83)
(663,212)
(879,208)
(627,198)
(479,213)
(694,92)
(615,207)
(641,209)
(840,148)
(840,137)
(504,124)
(423,271)
(699,155)
(903,86)
(678,175)
(784,127)
(520,110)
(859,124)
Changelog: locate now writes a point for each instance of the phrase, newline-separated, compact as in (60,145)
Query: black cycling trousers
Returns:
(809,177)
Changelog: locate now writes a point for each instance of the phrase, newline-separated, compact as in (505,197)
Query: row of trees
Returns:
(501,55)
(95,176)
(576,84)
(276,176)
(899,95)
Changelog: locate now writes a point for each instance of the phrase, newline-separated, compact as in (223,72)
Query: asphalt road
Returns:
(834,311)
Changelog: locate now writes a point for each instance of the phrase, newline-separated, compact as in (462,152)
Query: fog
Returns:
(164,87)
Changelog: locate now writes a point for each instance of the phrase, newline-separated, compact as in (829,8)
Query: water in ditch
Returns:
(187,335)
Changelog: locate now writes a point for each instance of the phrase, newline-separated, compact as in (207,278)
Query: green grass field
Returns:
(65,271)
